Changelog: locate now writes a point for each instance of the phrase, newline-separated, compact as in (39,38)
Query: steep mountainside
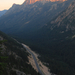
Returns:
(13,58)
(63,25)
(28,18)
(56,42)
(2,12)
(66,19)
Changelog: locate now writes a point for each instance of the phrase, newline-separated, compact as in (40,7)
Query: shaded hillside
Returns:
(56,42)
(13,58)
(66,19)
(28,18)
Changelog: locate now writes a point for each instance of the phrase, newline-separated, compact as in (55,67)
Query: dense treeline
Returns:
(56,50)
(3,59)
(61,56)
(56,46)
(17,57)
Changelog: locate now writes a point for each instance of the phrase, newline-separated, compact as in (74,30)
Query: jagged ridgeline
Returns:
(13,58)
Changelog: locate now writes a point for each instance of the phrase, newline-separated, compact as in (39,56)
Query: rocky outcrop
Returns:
(33,1)
(66,18)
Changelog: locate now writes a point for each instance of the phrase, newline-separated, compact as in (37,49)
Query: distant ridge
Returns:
(2,12)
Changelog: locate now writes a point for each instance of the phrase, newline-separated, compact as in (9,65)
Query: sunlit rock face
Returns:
(33,1)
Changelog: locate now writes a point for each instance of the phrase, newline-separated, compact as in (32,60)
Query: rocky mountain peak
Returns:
(13,4)
(33,1)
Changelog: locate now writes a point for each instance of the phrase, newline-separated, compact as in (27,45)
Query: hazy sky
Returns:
(6,4)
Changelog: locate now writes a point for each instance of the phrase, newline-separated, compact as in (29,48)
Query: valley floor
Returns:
(45,70)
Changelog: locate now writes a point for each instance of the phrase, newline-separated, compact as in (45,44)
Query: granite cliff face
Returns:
(33,1)
(66,19)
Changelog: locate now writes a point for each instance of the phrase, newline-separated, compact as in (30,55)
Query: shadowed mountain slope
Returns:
(28,18)
(13,58)
(53,40)
(56,42)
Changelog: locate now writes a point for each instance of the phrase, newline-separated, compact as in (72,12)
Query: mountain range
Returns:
(2,12)
(28,18)
(48,28)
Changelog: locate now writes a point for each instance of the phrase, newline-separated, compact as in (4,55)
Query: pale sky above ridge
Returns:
(6,4)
